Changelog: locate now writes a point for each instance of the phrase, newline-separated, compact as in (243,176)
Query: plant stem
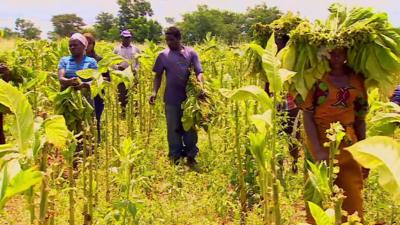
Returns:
(44,191)
(275,189)
(242,187)
(71,194)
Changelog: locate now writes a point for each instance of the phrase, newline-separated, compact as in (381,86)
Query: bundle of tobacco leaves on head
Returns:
(199,108)
(281,27)
(262,32)
(372,43)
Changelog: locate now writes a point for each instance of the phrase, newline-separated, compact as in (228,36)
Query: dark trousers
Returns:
(289,127)
(98,109)
(2,136)
(122,95)
(181,143)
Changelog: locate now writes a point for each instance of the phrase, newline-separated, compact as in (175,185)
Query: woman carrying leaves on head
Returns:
(339,96)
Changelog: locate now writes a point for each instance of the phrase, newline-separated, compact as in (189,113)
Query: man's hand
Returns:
(152,99)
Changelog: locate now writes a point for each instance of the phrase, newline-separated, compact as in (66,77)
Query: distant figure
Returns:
(396,96)
(177,61)
(291,109)
(128,52)
(98,101)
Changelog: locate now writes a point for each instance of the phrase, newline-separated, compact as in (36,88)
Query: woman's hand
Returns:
(73,81)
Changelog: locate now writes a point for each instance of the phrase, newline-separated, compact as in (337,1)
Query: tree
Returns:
(225,24)
(136,15)
(145,29)
(8,33)
(26,29)
(260,14)
(133,9)
(66,24)
(106,27)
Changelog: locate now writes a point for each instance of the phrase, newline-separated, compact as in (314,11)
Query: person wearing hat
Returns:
(128,51)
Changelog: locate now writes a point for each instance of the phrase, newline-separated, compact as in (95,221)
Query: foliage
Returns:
(65,25)
(74,107)
(26,29)
(383,155)
(106,27)
(369,37)
(222,24)
(135,15)
(281,27)
(199,108)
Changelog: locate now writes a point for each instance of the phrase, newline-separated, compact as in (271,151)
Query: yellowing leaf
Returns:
(56,131)
(87,73)
(383,155)
(22,129)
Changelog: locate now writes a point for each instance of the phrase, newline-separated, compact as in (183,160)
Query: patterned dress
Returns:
(330,104)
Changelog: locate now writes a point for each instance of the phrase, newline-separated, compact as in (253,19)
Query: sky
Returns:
(41,11)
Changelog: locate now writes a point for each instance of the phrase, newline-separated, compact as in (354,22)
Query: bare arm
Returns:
(360,129)
(65,82)
(156,87)
(311,131)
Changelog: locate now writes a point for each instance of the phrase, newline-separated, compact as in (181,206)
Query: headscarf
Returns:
(80,38)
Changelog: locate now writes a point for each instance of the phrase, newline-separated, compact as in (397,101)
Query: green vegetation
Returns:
(244,174)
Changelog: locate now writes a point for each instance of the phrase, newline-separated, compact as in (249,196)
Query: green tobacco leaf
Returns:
(18,104)
(87,73)
(7,149)
(248,93)
(383,155)
(319,215)
(20,183)
(286,75)
(57,132)
(257,148)
(261,121)
(271,66)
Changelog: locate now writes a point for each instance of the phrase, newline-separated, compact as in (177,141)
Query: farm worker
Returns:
(7,76)
(4,75)
(69,65)
(291,109)
(177,61)
(339,96)
(129,52)
(98,101)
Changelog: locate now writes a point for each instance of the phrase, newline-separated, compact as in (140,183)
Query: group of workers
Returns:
(339,96)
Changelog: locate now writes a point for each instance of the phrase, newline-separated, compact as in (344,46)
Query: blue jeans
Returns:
(181,143)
